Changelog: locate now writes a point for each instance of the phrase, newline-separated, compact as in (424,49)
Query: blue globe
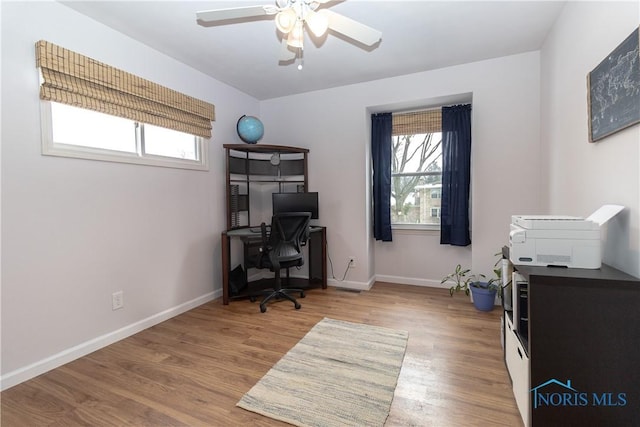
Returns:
(250,129)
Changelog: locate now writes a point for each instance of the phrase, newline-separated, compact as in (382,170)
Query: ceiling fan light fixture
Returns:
(291,17)
(318,22)
(296,36)
(286,20)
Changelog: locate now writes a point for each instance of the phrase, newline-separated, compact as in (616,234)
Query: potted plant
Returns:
(483,292)
(460,280)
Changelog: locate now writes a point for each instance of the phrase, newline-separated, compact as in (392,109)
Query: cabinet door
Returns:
(518,366)
(584,348)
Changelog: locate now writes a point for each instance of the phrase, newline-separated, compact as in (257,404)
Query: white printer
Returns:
(566,241)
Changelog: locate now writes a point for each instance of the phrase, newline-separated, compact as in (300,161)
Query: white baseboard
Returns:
(356,286)
(40,367)
(365,286)
(412,281)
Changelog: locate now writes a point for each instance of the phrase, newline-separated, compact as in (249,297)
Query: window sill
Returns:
(87,153)
(415,229)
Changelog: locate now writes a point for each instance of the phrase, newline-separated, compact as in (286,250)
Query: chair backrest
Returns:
(289,231)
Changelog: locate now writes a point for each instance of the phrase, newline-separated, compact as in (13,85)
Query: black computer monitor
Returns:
(295,202)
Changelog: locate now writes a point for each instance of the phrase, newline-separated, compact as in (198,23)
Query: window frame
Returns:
(51,148)
(415,227)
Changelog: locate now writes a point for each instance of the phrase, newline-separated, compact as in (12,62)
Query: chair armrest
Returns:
(305,237)
(264,252)
(263,232)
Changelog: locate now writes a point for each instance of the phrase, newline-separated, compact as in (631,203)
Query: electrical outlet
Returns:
(352,262)
(117,300)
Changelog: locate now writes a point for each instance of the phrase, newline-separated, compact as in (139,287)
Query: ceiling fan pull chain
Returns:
(300,60)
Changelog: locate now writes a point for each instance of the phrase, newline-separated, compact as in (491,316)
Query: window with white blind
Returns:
(76,132)
(95,111)
(416,169)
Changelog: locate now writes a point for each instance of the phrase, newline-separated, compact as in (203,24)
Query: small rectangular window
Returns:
(76,132)
(80,127)
(169,143)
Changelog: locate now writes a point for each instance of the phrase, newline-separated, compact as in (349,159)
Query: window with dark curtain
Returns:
(456,173)
(381,126)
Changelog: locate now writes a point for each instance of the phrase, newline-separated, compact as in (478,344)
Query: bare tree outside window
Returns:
(416,175)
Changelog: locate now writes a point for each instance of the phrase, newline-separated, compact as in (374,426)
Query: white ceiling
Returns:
(416,36)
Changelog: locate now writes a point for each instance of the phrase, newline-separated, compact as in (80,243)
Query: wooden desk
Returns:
(316,260)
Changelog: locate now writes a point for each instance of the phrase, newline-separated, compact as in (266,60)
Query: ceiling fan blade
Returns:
(352,29)
(232,13)
(286,54)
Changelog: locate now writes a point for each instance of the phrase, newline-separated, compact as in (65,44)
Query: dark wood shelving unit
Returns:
(584,327)
(250,165)
(253,169)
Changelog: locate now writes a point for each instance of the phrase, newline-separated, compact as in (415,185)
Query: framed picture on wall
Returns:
(614,90)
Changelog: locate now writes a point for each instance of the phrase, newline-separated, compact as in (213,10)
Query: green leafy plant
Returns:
(490,284)
(496,282)
(462,279)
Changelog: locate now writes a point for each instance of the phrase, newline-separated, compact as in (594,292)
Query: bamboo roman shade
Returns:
(74,79)
(415,122)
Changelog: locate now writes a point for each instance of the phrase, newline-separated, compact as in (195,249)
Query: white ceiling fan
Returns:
(291,16)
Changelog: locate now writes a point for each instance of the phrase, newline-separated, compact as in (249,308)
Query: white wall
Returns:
(582,176)
(334,124)
(74,231)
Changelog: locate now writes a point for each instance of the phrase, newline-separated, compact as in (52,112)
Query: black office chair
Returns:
(282,248)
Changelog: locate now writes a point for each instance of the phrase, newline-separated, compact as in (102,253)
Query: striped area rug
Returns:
(339,374)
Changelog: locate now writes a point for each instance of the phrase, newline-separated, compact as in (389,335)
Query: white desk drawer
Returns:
(518,366)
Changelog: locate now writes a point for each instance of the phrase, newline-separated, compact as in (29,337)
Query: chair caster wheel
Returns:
(302,295)
(252,299)
(263,309)
(298,306)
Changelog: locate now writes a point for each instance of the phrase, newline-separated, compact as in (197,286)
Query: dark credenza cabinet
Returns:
(580,342)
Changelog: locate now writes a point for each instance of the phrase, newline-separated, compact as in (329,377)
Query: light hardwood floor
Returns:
(192,369)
